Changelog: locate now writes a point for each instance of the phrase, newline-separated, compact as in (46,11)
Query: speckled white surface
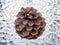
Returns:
(50,10)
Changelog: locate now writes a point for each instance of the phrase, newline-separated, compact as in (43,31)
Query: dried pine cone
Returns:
(29,23)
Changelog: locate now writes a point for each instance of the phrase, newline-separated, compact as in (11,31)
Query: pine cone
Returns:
(29,23)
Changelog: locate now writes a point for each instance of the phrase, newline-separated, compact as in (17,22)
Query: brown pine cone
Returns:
(29,23)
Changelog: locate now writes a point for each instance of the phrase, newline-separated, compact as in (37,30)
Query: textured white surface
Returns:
(50,10)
